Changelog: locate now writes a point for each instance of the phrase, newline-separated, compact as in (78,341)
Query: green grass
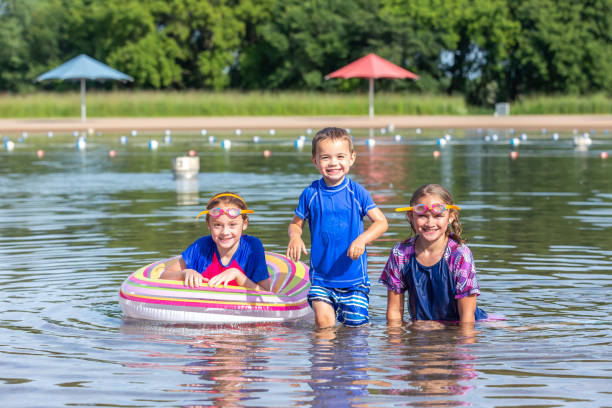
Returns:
(562,104)
(160,104)
(202,103)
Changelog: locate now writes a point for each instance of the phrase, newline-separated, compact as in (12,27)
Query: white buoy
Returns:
(81,143)
(391,127)
(9,145)
(448,137)
(212,139)
(226,144)
(134,133)
(555,137)
(487,138)
(515,142)
(49,134)
(298,144)
(75,133)
(442,142)
(309,131)
(418,131)
(494,137)
(238,132)
(256,139)
(123,139)
(203,132)
(168,132)
(523,136)
(167,139)
(397,138)
(583,140)
(24,135)
(272,132)
(371,142)
(383,131)
(153,144)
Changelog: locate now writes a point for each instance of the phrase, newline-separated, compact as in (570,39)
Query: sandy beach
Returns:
(526,122)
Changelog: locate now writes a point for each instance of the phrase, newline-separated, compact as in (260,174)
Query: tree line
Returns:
(487,50)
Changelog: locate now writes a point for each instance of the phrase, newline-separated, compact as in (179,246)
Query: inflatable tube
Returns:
(144,296)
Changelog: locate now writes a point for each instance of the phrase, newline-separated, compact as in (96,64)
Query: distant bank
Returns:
(527,122)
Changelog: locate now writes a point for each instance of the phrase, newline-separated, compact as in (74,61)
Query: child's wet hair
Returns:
(455,230)
(333,133)
(228,198)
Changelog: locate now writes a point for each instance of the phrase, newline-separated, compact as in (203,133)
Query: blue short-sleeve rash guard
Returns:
(250,256)
(335,218)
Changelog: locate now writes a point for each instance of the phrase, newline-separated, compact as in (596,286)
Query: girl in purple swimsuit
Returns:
(434,267)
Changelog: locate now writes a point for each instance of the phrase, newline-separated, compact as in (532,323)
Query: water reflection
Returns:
(225,360)
(339,367)
(187,191)
(434,361)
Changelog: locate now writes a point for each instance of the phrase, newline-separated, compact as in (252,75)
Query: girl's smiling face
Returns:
(429,227)
(226,231)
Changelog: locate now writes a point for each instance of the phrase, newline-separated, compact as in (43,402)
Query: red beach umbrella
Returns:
(371,67)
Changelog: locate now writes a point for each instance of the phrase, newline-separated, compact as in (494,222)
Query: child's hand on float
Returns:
(356,249)
(296,248)
(193,278)
(226,277)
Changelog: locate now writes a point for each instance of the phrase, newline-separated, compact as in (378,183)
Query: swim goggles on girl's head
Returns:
(436,209)
(232,212)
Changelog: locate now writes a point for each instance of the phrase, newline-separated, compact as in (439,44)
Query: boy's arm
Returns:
(378,227)
(296,245)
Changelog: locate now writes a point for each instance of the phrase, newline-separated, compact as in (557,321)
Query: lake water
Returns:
(74,225)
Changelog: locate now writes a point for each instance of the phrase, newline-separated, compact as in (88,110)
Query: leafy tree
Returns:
(28,39)
(563,47)
(307,40)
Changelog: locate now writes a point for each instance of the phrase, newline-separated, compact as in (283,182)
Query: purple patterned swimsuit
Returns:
(432,290)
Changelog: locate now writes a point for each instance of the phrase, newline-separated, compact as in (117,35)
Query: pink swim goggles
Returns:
(232,212)
(436,209)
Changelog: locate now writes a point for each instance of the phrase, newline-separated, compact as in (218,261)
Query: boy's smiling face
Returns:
(333,160)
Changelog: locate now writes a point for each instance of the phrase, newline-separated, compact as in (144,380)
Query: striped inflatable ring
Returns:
(144,296)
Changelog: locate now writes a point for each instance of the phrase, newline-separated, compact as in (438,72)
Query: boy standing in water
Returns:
(334,207)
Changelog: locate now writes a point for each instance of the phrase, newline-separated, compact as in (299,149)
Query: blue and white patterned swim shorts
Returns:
(350,304)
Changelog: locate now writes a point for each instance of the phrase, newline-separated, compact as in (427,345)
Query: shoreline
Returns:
(526,122)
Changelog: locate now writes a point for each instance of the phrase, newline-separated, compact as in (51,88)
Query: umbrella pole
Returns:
(83,108)
(371,98)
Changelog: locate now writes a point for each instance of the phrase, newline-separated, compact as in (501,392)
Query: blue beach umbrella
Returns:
(84,67)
